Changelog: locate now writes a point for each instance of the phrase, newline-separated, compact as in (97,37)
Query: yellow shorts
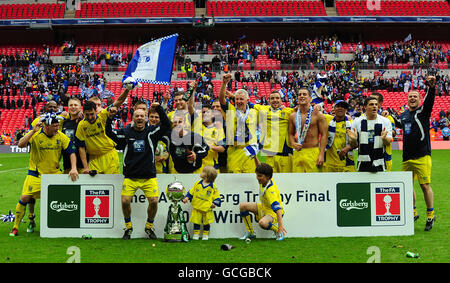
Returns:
(32,187)
(201,217)
(263,212)
(305,160)
(421,168)
(280,164)
(148,186)
(107,163)
(238,162)
(331,168)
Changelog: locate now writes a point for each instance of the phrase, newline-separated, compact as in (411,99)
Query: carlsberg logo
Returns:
(58,206)
(349,205)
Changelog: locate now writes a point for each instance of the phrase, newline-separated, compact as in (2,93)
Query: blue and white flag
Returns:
(252,150)
(153,61)
(33,69)
(408,38)
(282,92)
(8,217)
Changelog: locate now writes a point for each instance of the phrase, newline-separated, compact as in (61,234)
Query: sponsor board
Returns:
(370,204)
(80,206)
(315,205)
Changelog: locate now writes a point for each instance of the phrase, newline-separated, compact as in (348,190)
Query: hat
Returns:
(342,102)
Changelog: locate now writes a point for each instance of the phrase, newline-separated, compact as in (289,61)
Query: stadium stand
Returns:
(136,9)
(271,59)
(32,11)
(264,8)
(393,8)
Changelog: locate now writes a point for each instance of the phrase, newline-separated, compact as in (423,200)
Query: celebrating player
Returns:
(240,132)
(415,123)
(305,126)
(371,133)
(140,140)
(91,139)
(339,155)
(275,134)
(46,144)
(269,211)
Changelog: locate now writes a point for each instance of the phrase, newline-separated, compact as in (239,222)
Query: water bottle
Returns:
(187,95)
(412,255)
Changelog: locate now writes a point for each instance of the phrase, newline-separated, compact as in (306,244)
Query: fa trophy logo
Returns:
(175,230)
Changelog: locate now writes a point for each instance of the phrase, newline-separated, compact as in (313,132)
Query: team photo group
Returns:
(225,134)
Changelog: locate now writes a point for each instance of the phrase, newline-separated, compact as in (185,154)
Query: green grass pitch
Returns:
(433,246)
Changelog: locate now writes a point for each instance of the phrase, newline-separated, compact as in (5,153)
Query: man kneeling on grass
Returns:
(269,212)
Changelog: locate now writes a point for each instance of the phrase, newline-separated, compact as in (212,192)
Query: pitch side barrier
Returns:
(221,20)
(315,204)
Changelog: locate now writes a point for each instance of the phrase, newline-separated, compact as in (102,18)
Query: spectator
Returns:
(445,133)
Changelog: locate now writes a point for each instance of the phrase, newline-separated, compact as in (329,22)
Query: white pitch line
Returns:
(5,171)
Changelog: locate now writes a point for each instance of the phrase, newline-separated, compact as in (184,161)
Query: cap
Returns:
(342,102)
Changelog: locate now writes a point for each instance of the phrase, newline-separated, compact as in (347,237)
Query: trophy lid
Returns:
(175,191)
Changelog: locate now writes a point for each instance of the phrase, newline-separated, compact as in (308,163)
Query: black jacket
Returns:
(179,147)
(139,146)
(416,128)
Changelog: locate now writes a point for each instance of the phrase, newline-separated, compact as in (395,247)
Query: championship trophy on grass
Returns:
(175,230)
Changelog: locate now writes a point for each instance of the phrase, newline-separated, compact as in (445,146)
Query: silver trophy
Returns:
(175,230)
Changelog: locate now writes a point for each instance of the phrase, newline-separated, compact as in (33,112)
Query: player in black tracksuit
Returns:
(139,141)
(415,123)
(186,148)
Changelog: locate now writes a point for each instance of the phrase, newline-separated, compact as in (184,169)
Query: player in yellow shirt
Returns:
(275,134)
(90,138)
(50,106)
(241,122)
(269,211)
(46,144)
(204,197)
(214,136)
(182,106)
(339,154)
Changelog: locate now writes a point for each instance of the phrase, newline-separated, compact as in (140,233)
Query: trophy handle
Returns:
(184,230)
(169,220)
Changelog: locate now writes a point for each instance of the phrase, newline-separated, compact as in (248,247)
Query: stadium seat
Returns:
(136,9)
(393,8)
(32,11)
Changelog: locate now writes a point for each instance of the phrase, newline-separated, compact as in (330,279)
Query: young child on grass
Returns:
(204,196)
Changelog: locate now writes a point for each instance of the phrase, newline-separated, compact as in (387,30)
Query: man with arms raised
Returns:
(415,123)
(139,142)
(241,122)
(91,139)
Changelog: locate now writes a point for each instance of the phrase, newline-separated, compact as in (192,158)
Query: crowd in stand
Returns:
(288,51)
(416,52)
(32,73)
